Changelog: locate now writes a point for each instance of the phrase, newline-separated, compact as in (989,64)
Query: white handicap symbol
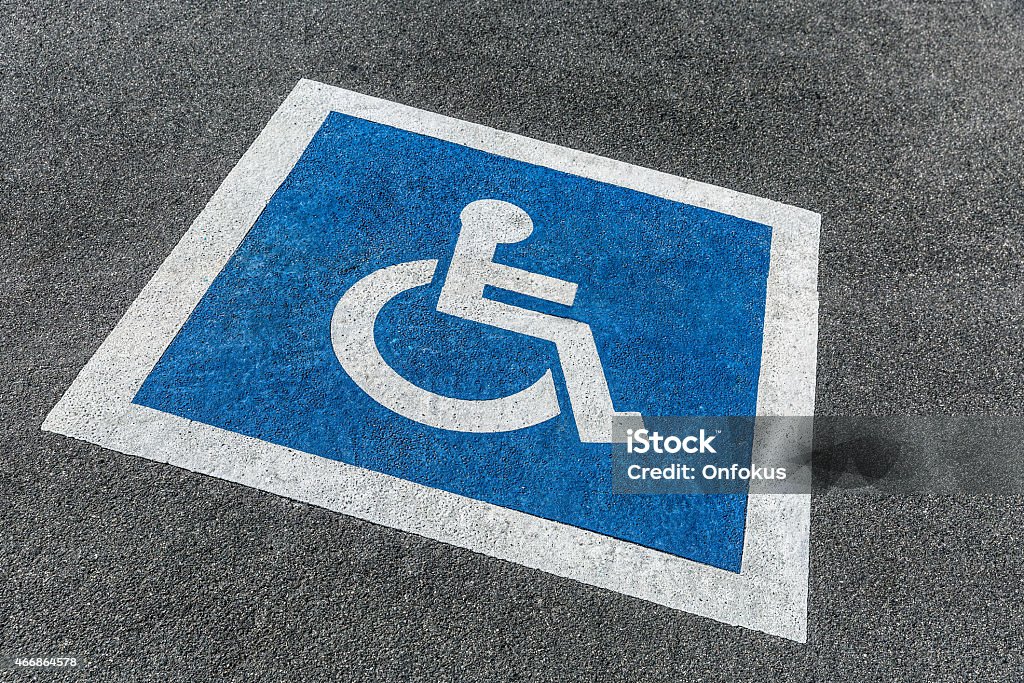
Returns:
(485,224)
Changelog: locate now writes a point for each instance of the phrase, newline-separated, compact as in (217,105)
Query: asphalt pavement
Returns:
(901,123)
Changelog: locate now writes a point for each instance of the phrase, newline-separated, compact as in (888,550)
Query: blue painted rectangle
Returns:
(674,294)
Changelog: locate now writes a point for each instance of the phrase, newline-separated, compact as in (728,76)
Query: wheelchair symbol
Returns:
(485,224)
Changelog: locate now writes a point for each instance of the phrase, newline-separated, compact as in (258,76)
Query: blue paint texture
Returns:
(674,294)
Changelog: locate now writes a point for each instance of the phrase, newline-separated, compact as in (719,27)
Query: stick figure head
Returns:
(496,221)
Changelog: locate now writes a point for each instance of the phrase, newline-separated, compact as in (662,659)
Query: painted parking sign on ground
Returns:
(437,326)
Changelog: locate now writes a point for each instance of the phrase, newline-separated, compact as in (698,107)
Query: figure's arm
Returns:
(531,284)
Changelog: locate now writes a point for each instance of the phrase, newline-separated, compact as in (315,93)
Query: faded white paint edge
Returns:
(769,594)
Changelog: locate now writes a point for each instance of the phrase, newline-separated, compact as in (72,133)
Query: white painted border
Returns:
(769,594)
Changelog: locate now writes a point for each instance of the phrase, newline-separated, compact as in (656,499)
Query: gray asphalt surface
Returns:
(901,123)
